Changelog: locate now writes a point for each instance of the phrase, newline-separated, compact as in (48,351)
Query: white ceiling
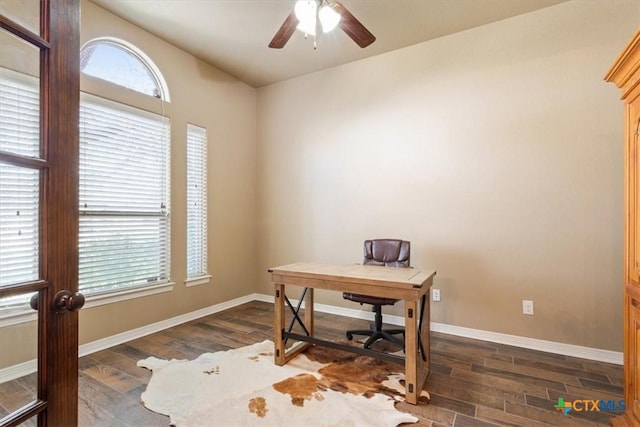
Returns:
(233,35)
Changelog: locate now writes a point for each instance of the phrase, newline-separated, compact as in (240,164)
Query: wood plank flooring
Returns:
(472,383)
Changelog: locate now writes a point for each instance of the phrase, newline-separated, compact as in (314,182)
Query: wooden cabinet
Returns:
(632,376)
(625,73)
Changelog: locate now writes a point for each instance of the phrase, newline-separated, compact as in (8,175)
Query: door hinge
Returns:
(410,314)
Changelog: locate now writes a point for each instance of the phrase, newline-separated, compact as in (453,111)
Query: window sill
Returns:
(197,281)
(28,315)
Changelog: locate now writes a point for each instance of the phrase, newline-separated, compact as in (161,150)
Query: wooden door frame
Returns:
(58,332)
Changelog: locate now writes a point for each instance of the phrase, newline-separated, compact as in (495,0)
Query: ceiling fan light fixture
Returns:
(307,27)
(329,18)
(309,15)
(305,11)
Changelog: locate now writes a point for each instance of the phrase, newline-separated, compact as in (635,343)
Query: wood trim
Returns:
(632,291)
(24,161)
(412,370)
(22,288)
(354,287)
(60,92)
(278,323)
(626,64)
(23,32)
(23,414)
(402,278)
(623,420)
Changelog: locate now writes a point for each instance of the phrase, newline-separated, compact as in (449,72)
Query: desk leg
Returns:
(308,311)
(425,331)
(278,326)
(411,352)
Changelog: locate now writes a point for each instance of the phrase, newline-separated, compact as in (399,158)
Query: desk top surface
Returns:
(357,273)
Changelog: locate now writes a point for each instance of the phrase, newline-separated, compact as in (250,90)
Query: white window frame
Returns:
(136,204)
(196,206)
(161,88)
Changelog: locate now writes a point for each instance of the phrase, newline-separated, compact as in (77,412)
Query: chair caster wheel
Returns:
(349,337)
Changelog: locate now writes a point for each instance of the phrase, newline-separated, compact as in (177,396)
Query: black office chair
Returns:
(388,253)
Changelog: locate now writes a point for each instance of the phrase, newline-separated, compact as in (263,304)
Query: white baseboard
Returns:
(597,354)
(600,355)
(25,368)
(114,340)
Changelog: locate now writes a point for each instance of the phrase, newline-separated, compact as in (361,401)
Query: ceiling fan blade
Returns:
(353,27)
(285,31)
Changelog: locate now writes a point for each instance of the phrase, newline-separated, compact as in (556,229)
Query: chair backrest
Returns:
(387,252)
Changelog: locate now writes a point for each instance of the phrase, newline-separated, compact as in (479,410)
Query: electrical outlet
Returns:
(435,294)
(527,307)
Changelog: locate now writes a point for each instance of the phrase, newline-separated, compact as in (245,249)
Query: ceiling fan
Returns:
(314,16)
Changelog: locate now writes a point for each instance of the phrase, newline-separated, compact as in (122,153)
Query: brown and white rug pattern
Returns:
(243,387)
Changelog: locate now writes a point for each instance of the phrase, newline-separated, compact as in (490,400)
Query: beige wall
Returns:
(497,151)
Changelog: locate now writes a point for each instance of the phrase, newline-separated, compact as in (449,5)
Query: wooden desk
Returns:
(407,284)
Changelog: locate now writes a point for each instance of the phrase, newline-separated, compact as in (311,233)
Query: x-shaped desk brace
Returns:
(295,317)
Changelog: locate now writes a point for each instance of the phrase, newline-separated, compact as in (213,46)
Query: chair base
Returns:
(374,336)
(377,333)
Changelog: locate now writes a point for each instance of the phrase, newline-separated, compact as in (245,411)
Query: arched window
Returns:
(119,62)
(124,238)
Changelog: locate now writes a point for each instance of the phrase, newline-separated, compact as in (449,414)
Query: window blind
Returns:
(124,197)
(19,224)
(19,114)
(19,186)
(196,201)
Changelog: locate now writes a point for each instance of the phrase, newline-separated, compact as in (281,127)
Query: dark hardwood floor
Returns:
(472,383)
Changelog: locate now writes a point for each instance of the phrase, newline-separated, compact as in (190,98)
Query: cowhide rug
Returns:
(243,387)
